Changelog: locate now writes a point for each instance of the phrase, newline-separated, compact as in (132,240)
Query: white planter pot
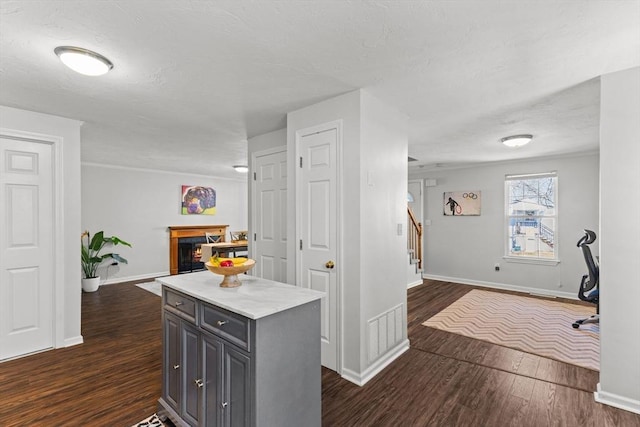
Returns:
(90,284)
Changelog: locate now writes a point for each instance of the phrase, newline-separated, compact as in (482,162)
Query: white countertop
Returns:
(255,298)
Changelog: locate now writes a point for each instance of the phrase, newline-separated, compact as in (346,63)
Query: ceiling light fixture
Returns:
(83,61)
(516,140)
(241,168)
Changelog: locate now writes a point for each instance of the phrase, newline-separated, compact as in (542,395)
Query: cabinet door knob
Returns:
(222,322)
(179,303)
(176,366)
(199,383)
(224,404)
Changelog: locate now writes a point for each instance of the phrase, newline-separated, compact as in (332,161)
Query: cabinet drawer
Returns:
(228,325)
(180,304)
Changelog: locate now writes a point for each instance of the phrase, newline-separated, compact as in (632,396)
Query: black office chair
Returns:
(589,287)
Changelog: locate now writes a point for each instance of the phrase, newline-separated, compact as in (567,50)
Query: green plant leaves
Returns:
(90,255)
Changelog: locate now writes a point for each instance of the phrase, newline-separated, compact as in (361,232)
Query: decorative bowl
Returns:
(230,273)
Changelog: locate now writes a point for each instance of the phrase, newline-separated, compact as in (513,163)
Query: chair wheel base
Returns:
(593,319)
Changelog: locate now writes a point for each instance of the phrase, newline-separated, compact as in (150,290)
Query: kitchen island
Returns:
(245,356)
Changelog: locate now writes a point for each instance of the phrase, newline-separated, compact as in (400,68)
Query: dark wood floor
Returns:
(113,379)
(450,380)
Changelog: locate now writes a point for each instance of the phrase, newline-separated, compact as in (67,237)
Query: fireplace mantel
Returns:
(179,231)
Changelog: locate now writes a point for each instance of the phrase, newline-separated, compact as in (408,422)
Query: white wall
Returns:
(266,141)
(373,257)
(620,240)
(67,311)
(383,208)
(346,108)
(464,249)
(138,205)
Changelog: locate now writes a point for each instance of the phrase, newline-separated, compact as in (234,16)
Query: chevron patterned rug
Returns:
(152,421)
(531,325)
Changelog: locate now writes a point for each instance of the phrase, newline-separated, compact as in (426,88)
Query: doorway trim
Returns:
(56,143)
(299,133)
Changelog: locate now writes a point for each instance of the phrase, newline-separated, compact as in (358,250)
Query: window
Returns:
(532,216)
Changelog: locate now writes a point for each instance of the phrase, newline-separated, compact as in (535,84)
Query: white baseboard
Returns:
(494,285)
(68,342)
(375,368)
(414,284)
(130,278)
(617,401)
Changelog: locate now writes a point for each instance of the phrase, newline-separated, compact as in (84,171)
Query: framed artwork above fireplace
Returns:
(198,200)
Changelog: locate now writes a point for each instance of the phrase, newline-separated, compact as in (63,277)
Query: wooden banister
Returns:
(414,236)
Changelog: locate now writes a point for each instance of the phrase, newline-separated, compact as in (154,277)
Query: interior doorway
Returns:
(269,219)
(318,261)
(27,276)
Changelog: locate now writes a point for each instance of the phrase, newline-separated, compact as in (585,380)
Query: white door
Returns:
(318,230)
(26,247)
(270,216)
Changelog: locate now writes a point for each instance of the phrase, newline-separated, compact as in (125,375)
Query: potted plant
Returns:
(92,259)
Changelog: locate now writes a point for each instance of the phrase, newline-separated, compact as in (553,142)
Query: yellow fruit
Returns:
(216,260)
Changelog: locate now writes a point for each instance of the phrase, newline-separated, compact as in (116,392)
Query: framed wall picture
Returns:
(198,200)
(461,203)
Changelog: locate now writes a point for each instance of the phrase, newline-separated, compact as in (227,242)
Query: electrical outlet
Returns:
(497,267)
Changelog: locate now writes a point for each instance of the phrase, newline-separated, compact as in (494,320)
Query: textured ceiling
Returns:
(193,80)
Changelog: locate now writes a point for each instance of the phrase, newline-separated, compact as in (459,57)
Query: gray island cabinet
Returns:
(245,356)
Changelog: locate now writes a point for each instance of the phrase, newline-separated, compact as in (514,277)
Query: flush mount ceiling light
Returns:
(516,140)
(83,61)
(241,168)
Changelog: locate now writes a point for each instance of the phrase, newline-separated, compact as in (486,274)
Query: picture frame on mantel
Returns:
(198,200)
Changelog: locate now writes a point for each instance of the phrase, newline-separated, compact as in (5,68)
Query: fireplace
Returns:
(189,254)
(184,246)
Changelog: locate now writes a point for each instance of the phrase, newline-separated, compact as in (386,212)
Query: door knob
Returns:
(199,383)
(329,264)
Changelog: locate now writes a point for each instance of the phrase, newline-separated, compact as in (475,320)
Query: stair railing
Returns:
(414,236)
(546,234)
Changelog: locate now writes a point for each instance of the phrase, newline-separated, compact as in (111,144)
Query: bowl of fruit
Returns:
(229,268)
